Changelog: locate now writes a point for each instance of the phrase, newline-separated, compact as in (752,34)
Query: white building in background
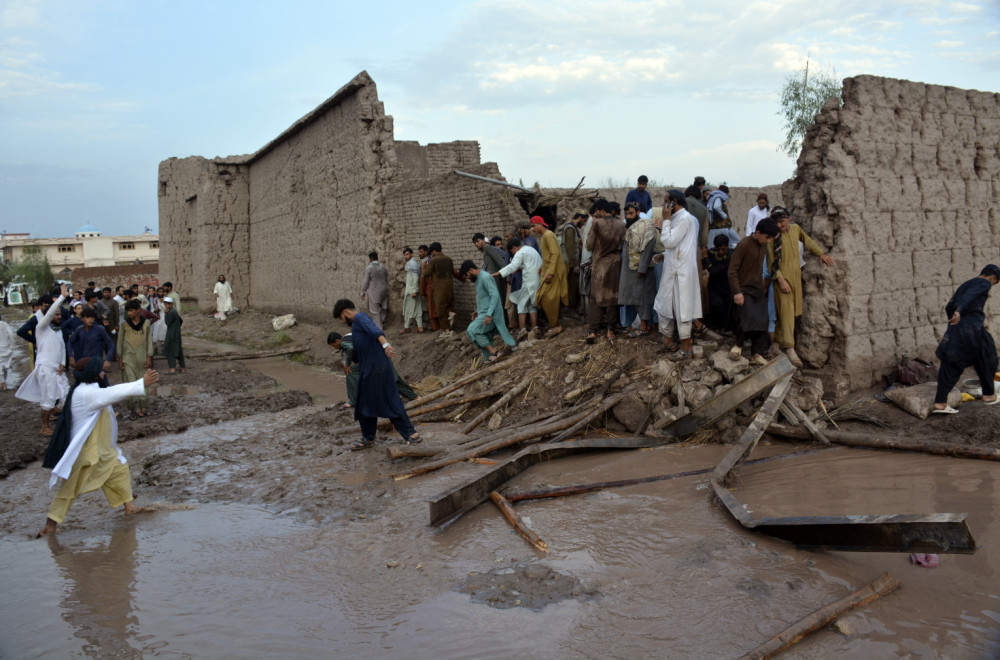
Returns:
(87,249)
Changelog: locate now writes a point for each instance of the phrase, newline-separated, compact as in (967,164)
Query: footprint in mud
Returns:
(754,587)
(524,585)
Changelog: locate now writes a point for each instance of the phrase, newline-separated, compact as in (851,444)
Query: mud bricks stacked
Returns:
(902,185)
(292,224)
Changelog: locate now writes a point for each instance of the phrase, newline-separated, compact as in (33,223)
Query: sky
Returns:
(95,93)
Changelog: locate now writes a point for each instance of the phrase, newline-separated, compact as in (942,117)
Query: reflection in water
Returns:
(97,601)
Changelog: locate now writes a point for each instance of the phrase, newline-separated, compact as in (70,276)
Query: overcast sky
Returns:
(94,94)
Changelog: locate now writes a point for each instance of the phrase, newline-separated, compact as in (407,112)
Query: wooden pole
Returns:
(404,451)
(242,355)
(582,424)
(891,442)
(882,585)
(578,489)
(448,389)
(490,447)
(511,515)
(806,422)
(483,416)
(451,403)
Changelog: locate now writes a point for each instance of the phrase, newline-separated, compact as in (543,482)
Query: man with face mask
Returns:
(47,385)
(489,309)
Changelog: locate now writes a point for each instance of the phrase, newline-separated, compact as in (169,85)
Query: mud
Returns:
(268,536)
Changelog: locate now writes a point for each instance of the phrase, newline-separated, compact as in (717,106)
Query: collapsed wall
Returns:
(291,225)
(902,184)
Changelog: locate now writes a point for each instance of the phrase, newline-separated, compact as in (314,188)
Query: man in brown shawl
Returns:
(604,242)
(440,271)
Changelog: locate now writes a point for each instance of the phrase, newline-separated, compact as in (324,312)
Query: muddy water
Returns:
(323,385)
(671,574)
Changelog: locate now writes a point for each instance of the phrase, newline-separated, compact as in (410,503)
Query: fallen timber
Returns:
(241,355)
(578,489)
(880,441)
(515,520)
(880,586)
(452,504)
(941,533)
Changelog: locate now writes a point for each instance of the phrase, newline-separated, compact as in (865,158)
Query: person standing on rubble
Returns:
(553,290)
(528,262)
(786,275)
(678,300)
(411,293)
(489,311)
(604,243)
(377,393)
(746,281)
(493,260)
(440,272)
(966,341)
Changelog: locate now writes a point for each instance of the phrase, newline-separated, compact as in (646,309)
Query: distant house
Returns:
(89,248)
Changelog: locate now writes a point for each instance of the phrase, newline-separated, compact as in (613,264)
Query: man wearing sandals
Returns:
(637,283)
(746,281)
(377,393)
(135,355)
(679,297)
(967,342)
(489,309)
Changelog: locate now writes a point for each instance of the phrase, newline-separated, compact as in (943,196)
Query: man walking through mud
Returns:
(377,393)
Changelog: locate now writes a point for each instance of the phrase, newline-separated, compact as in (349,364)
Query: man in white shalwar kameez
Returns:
(527,260)
(679,296)
(46,385)
(84,452)
(411,295)
(223,297)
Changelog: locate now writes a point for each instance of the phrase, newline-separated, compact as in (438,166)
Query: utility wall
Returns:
(903,183)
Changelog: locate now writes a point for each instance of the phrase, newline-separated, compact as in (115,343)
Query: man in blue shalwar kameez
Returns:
(489,307)
(967,342)
(377,393)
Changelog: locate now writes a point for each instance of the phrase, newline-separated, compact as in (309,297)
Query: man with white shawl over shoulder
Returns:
(679,297)
(83,451)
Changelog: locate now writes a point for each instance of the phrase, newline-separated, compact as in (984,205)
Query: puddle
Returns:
(324,386)
(651,570)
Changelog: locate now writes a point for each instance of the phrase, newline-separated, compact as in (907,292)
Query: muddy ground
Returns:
(223,434)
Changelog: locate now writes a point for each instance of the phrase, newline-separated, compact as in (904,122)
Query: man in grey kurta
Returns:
(375,289)
(637,282)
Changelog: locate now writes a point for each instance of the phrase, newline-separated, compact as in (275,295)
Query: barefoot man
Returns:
(84,450)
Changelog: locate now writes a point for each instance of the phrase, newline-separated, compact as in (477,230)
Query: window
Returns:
(32,249)
(154,245)
(126,246)
(67,248)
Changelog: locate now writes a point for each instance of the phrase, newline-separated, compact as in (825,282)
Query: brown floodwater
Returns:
(662,570)
(323,385)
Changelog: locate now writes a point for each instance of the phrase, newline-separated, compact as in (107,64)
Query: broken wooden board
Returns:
(940,533)
(450,505)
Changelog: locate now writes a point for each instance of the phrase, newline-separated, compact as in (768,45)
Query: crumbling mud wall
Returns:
(204,208)
(449,209)
(902,185)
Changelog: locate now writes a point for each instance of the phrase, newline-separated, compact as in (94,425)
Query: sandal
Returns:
(679,355)
(698,333)
(947,410)
(361,444)
(133,416)
(414,439)
(591,338)
(635,334)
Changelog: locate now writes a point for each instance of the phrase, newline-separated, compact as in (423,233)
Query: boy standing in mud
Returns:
(377,393)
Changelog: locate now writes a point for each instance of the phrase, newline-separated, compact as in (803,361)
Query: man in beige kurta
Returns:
(554,288)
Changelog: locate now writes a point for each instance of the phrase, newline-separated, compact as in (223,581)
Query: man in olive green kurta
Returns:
(172,343)
(135,353)
(786,273)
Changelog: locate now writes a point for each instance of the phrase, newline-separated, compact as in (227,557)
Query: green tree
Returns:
(802,97)
(33,269)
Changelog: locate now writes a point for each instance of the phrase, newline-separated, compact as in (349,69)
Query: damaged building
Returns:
(901,184)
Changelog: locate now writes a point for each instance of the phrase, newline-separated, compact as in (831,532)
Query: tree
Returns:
(33,269)
(802,97)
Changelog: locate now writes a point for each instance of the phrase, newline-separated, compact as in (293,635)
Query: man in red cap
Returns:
(554,288)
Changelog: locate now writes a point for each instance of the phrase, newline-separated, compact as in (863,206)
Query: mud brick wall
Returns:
(205,227)
(902,185)
(448,209)
(114,276)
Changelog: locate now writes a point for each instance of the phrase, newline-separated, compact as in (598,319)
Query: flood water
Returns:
(673,575)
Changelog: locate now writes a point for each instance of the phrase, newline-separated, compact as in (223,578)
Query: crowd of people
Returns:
(676,269)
